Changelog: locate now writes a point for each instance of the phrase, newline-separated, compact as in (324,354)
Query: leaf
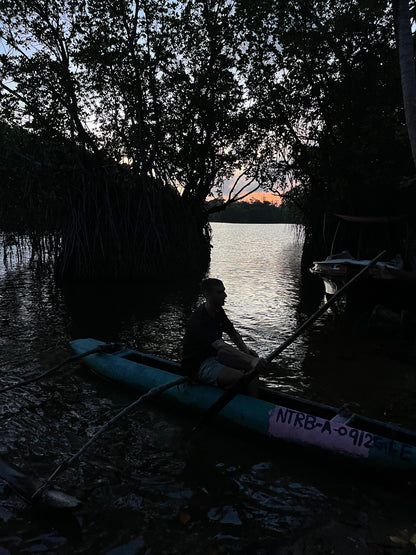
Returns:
(184,517)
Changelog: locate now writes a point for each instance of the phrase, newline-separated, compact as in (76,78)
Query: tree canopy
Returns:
(153,84)
(301,96)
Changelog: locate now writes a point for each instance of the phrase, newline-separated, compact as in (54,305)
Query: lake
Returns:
(144,488)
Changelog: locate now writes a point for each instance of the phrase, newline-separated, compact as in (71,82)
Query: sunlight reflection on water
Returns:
(140,477)
(260,267)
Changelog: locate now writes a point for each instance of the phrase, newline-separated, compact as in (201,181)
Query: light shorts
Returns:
(209,370)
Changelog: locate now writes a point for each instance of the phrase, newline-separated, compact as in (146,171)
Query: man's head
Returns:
(214,291)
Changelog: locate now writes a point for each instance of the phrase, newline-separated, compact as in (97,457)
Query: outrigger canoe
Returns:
(275,415)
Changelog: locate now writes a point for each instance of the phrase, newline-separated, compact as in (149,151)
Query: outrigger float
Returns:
(274,415)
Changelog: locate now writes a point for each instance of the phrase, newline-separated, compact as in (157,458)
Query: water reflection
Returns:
(222,492)
(260,267)
(146,316)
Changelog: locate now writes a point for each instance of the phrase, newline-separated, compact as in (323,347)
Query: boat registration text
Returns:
(302,427)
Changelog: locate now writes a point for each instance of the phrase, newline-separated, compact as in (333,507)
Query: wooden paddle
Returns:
(67,462)
(230,393)
(105,348)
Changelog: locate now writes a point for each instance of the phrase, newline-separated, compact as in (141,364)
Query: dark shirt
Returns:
(200,332)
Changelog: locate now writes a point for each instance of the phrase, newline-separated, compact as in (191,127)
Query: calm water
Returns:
(260,266)
(142,485)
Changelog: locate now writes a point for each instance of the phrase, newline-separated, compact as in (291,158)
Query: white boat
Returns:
(361,241)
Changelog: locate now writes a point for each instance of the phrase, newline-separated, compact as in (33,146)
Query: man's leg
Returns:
(236,363)
(234,358)
(228,367)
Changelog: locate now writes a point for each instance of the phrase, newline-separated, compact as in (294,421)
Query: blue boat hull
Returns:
(275,415)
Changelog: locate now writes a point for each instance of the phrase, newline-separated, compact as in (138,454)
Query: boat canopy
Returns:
(371,219)
(368,235)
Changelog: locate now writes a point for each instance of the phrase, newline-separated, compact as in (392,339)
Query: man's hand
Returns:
(260,364)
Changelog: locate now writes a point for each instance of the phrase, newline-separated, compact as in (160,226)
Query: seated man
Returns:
(205,355)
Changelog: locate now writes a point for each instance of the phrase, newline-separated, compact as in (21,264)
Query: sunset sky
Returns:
(257,195)
(260,195)
(264,196)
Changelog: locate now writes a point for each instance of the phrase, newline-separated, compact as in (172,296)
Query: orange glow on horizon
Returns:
(264,196)
(261,196)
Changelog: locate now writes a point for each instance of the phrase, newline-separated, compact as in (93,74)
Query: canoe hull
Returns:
(287,418)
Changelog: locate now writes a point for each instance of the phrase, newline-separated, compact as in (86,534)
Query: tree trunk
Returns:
(404,41)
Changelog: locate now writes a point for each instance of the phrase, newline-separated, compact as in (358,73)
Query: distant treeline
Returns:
(255,212)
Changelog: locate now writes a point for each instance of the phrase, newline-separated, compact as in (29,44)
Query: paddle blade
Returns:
(26,486)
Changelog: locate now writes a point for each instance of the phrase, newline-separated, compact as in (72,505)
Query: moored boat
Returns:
(275,415)
(355,241)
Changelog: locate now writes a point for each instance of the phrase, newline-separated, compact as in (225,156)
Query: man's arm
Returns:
(235,358)
(239,343)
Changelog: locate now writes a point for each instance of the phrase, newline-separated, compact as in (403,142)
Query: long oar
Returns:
(105,348)
(230,393)
(67,462)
